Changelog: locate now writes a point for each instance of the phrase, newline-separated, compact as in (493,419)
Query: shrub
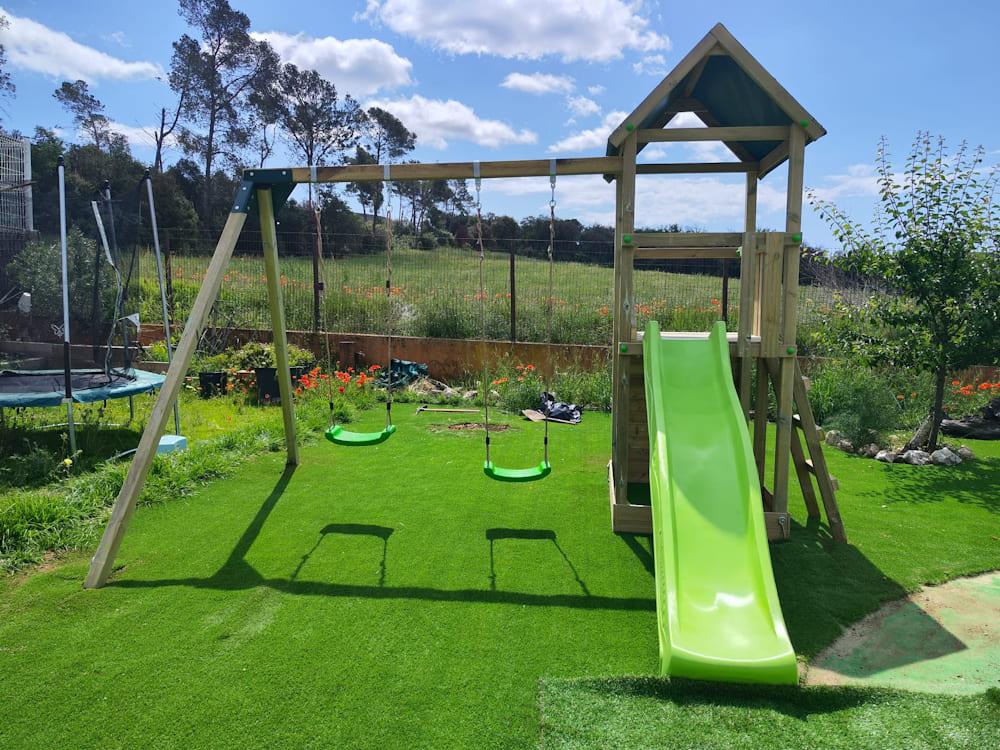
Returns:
(586,388)
(255,354)
(856,400)
(37,269)
(447,318)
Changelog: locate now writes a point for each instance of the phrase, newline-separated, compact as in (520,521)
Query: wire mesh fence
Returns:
(15,185)
(435,288)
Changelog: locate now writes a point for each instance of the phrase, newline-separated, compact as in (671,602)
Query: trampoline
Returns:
(23,388)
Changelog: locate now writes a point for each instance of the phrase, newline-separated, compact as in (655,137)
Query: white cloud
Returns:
(595,90)
(592,138)
(652,65)
(572,29)
(858,181)
(118,37)
(436,122)
(582,106)
(34,46)
(688,200)
(356,66)
(139,136)
(538,83)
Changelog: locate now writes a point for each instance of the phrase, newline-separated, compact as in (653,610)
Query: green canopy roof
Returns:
(724,86)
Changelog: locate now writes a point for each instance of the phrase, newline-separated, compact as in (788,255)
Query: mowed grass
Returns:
(436,293)
(394,597)
(649,713)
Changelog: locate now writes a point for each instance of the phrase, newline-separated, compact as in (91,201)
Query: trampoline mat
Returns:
(48,387)
(54,381)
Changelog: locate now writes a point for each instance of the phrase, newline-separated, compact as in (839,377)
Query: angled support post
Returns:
(104,559)
(268,231)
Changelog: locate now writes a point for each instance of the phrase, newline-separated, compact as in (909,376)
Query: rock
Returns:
(469,395)
(965,453)
(886,456)
(869,451)
(944,457)
(845,445)
(916,458)
(833,437)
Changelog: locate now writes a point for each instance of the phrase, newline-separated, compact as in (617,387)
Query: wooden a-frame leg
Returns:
(822,472)
(798,456)
(277,306)
(104,559)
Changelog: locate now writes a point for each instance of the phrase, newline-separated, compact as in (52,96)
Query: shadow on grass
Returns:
(643,552)
(237,574)
(825,587)
(351,529)
(790,700)
(546,535)
(972,482)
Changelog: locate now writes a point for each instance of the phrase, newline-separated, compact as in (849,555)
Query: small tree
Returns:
(934,244)
(87,110)
(317,124)
(6,85)
(386,140)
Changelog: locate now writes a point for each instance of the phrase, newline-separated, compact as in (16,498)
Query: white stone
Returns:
(916,458)
(944,457)
(869,451)
(965,453)
(886,456)
(833,437)
(845,445)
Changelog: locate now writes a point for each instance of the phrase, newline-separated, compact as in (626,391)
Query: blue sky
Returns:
(516,79)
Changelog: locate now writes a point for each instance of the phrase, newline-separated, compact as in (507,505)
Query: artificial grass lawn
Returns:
(393,597)
(646,713)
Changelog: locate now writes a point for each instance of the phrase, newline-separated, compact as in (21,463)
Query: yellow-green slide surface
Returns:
(717,608)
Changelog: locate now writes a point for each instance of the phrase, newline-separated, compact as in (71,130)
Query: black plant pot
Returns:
(268,391)
(212,383)
(267,385)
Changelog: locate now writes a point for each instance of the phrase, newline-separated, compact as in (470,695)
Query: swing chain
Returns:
(551,300)
(482,303)
(388,290)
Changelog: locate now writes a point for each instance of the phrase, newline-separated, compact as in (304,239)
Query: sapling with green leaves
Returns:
(933,243)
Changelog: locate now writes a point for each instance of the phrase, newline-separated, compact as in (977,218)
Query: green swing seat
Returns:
(517,475)
(337,434)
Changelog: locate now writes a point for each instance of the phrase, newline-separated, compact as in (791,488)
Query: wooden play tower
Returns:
(743,106)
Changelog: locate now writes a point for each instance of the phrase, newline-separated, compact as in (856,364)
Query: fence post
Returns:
(513,292)
(317,282)
(168,274)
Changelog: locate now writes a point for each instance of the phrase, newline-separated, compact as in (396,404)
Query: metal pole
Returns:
(113,236)
(163,290)
(64,252)
(513,293)
(29,211)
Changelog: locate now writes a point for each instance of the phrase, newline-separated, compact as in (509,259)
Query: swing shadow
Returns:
(351,529)
(545,535)
(237,574)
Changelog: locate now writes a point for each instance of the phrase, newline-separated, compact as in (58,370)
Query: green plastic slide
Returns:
(717,608)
